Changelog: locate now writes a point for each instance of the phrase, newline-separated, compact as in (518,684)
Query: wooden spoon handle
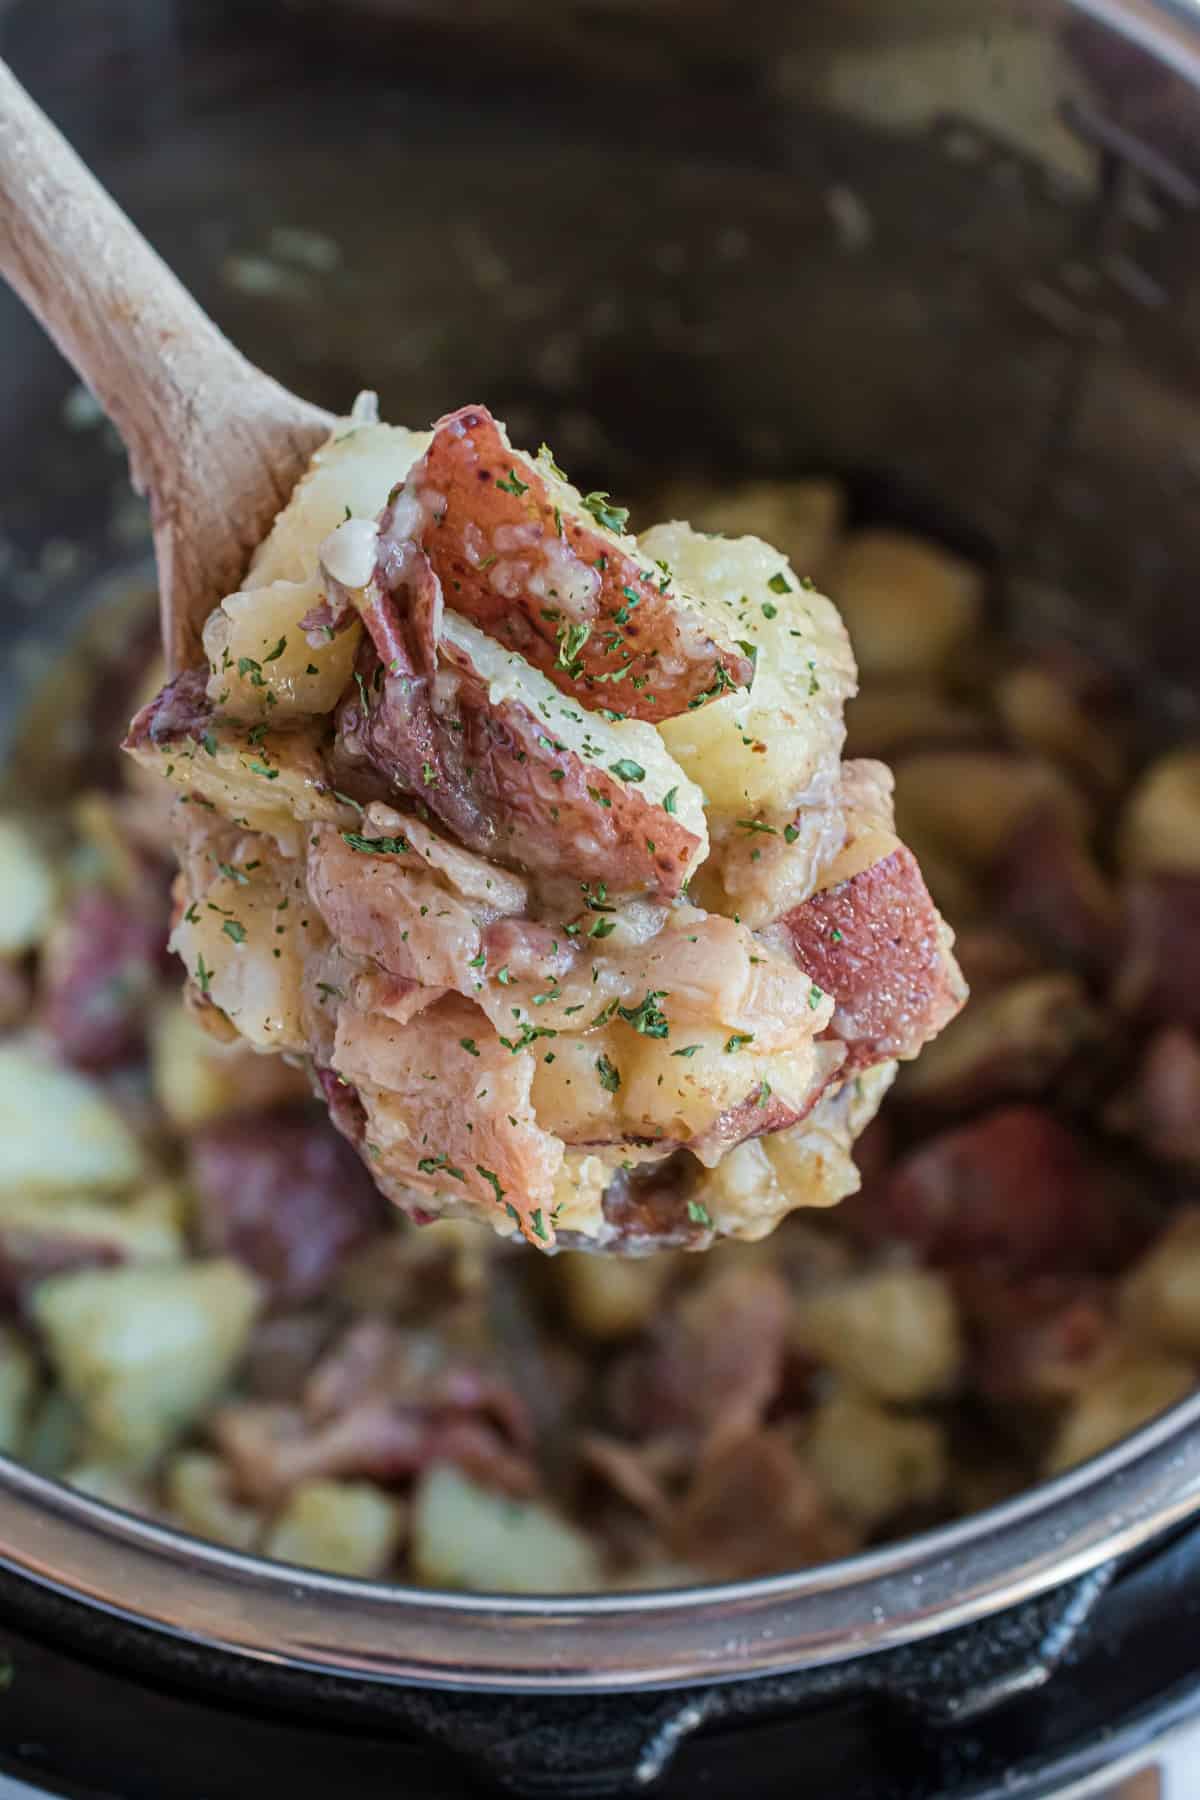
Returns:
(215,444)
(115,310)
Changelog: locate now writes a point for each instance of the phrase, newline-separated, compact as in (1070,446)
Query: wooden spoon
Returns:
(214,444)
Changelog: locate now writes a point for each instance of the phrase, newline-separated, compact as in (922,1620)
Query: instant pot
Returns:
(950,252)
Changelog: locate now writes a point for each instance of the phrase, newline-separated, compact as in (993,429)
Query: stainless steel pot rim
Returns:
(223,1601)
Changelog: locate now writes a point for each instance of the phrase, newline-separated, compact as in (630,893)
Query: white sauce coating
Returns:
(350,552)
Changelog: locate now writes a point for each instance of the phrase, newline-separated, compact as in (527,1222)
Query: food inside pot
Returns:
(215,1318)
(534,840)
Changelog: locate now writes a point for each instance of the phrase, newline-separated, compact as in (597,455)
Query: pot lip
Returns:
(225,1601)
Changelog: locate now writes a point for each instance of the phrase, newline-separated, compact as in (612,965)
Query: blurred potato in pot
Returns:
(1048,713)
(197,1079)
(1160,1296)
(27,889)
(802,518)
(1160,826)
(345,1527)
(875,1463)
(609,1298)
(198,1489)
(893,1333)
(967,803)
(1140,1384)
(58,1130)
(143,1351)
(908,604)
(1014,1041)
(911,715)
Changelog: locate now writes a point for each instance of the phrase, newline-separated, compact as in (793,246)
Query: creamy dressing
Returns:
(350,552)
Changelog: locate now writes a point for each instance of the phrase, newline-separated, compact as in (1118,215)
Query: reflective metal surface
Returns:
(948,250)
(892,1596)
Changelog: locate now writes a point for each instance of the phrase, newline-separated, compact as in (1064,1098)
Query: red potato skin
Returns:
(672,660)
(1014,1194)
(99,975)
(1050,887)
(1159,977)
(284,1195)
(1039,1339)
(876,944)
(492,776)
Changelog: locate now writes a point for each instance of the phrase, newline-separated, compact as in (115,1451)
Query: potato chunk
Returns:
(57,1132)
(467,1536)
(767,751)
(143,1352)
(27,889)
(346,1527)
(908,604)
(1160,827)
(893,1332)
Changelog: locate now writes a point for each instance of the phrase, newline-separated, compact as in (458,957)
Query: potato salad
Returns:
(533,842)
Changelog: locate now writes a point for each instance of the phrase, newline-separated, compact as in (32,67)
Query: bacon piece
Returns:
(284,1195)
(379,1405)
(181,709)
(755,1507)
(519,553)
(1037,1340)
(448,1120)
(712,1366)
(877,943)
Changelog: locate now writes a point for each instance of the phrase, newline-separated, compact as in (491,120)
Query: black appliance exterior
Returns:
(1012,1708)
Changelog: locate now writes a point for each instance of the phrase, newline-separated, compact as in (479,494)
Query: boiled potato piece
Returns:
(244,944)
(893,1332)
(1160,827)
(19,1383)
(345,1527)
(353,472)
(609,1298)
(873,1462)
(27,889)
(197,1080)
(198,1491)
(273,782)
(262,663)
(147,1228)
(761,751)
(57,1131)
(1135,1389)
(967,803)
(143,1352)
(802,518)
(468,1536)
(550,573)
(1160,1294)
(908,604)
